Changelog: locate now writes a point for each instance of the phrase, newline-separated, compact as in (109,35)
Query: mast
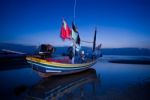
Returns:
(74,29)
(74,11)
(94,40)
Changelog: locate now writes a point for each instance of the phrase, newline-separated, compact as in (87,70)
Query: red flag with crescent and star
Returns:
(65,31)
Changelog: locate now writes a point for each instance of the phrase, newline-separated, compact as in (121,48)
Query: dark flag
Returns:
(99,47)
(75,34)
(78,40)
(74,28)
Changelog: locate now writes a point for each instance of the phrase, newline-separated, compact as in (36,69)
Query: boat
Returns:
(58,87)
(47,68)
(46,64)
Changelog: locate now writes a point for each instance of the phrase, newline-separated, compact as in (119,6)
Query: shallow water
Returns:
(109,81)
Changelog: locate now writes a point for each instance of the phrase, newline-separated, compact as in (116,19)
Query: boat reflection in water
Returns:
(66,87)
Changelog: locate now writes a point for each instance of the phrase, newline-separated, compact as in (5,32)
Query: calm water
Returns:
(106,81)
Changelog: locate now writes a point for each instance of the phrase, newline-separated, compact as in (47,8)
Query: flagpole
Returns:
(74,48)
(74,10)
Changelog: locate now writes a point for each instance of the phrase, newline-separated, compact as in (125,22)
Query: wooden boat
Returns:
(56,67)
(57,87)
(59,66)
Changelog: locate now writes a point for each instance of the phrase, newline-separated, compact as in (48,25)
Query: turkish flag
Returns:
(65,31)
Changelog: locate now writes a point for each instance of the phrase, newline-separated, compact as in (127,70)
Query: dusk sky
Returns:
(120,23)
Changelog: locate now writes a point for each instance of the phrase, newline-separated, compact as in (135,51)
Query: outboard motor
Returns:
(46,50)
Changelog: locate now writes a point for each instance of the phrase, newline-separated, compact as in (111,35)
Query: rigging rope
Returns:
(86,41)
(74,15)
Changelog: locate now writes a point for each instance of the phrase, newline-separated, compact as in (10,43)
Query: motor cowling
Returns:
(46,50)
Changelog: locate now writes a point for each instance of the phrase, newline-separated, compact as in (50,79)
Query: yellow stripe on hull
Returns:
(50,63)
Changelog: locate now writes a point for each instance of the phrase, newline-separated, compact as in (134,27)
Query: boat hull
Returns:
(45,68)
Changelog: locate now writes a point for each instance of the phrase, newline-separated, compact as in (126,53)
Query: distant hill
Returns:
(60,50)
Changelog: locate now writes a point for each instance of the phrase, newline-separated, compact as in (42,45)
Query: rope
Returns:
(86,41)
(74,12)
(74,15)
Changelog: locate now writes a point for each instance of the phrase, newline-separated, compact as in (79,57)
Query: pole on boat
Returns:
(12,51)
(94,40)
(74,11)
(74,50)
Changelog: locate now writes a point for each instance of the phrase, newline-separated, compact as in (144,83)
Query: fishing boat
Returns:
(44,67)
(46,64)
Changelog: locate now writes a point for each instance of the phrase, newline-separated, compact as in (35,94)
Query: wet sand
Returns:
(143,62)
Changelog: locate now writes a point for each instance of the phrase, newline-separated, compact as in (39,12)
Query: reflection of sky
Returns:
(18,78)
(113,79)
(121,75)
(120,23)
